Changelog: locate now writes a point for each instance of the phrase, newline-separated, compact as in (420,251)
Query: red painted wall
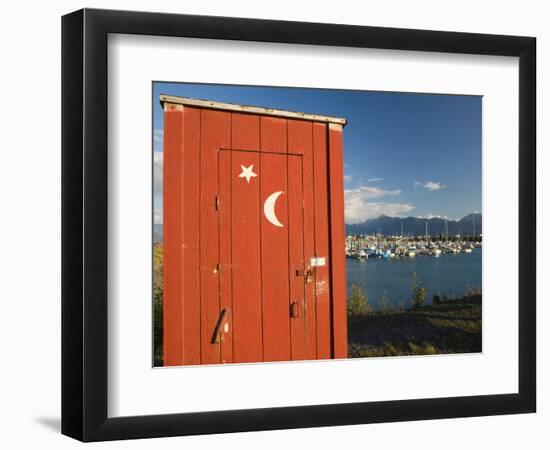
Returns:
(223,258)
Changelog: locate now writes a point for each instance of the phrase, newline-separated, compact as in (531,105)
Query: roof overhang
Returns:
(233,107)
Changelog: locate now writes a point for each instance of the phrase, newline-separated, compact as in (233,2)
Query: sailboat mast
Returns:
(427,240)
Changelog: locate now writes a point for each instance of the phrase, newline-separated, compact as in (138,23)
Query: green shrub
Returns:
(420,296)
(419,292)
(357,304)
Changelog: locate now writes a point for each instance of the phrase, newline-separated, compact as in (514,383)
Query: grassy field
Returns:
(452,326)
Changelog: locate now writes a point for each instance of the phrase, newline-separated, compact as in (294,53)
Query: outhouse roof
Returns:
(249,109)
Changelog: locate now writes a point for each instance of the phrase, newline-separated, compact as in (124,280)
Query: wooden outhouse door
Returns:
(262,269)
(254,264)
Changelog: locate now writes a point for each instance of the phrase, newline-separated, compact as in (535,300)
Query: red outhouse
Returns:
(254,262)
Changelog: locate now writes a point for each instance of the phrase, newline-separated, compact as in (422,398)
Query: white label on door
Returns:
(315,262)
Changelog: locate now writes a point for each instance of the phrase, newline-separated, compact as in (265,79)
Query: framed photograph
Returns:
(273,224)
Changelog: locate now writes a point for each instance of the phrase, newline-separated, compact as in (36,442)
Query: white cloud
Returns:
(375,180)
(157,173)
(430,185)
(348,178)
(434,185)
(158,139)
(359,207)
(435,216)
(357,211)
(158,135)
(368,192)
(157,216)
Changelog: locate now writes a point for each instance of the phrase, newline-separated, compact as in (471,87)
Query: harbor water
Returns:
(448,274)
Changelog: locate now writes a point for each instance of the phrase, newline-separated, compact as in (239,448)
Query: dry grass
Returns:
(452,326)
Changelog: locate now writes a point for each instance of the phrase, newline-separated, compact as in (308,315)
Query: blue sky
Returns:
(404,154)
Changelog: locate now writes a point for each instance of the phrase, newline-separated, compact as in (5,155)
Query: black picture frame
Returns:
(84,224)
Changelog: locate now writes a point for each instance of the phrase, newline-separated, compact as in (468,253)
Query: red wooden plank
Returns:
(300,140)
(299,137)
(172,236)
(296,258)
(246,264)
(245,132)
(215,133)
(190,225)
(337,232)
(322,282)
(245,236)
(273,134)
(224,212)
(274,242)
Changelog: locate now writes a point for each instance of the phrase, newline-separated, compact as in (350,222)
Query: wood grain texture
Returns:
(226,246)
(274,243)
(191,236)
(172,231)
(322,273)
(300,141)
(215,133)
(296,257)
(337,239)
(273,136)
(245,235)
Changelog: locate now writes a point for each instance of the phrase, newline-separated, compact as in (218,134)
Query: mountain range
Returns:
(391,226)
(416,226)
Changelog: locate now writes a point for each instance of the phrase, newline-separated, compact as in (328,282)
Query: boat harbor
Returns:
(366,247)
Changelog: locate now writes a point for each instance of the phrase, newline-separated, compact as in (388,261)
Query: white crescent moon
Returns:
(269,208)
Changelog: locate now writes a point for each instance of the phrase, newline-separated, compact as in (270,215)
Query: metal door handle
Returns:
(218,336)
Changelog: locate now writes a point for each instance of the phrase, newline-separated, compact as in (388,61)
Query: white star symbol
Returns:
(247,172)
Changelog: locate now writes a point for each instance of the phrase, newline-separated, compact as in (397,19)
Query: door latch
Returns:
(307,274)
(294,310)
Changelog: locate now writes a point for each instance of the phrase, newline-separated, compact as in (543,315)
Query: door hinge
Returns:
(217,202)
